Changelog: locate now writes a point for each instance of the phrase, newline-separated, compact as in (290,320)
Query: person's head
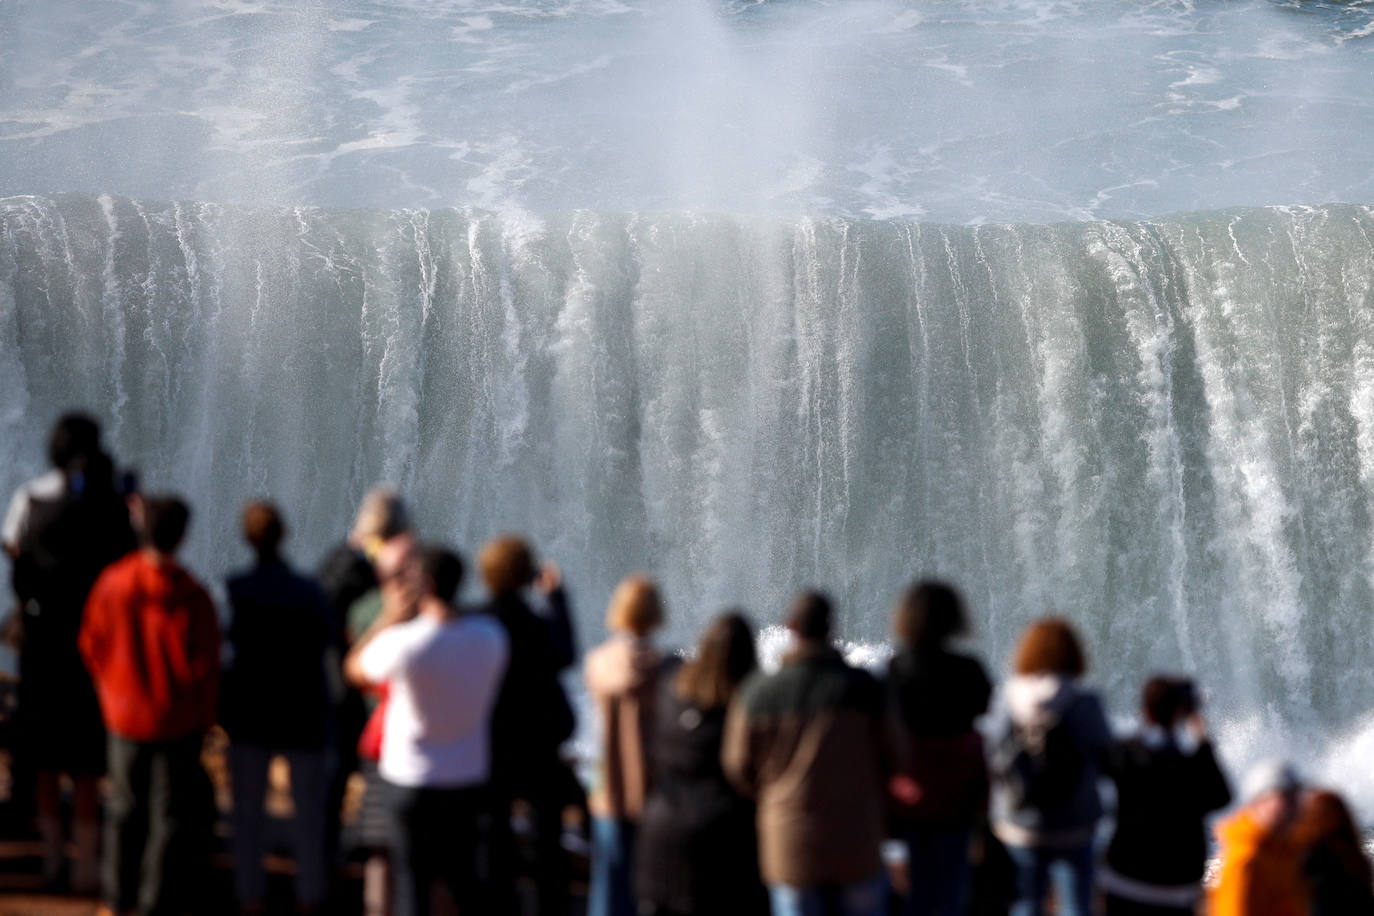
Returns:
(381,516)
(635,607)
(74,440)
(164,522)
(507,565)
(1050,646)
(1164,701)
(725,657)
(1324,822)
(1270,791)
(928,615)
(809,618)
(263,528)
(396,558)
(443,572)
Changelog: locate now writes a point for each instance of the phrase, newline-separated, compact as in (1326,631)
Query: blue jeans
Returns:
(613,868)
(863,898)
(938,871)
(1071,870)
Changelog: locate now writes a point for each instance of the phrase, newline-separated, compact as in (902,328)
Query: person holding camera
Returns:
(1167,781)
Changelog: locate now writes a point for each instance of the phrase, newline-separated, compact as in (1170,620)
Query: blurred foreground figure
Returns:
(531,721)
(1334,861)
(1261,860)
(61,530)
(1167,782)
(811,744)
(937,695)
(151,641)
(622,679)
(698,845)
(442,670)
(1046,766)
(276,701)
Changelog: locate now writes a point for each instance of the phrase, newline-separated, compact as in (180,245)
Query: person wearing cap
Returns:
(1261,871)
(812,743)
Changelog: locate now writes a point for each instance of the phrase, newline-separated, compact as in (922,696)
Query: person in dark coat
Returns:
(61,531)
(1167,782)
(937,695)
(698,845)
(275,700)
(531,720)
(1335,864)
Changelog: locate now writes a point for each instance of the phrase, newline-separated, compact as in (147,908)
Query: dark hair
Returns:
(1324,823)
(263,527)
(444,569)
(165,519)
(725,657)
(75,439)
(1165,700)
(810,615)
(929,615)
(1050,646)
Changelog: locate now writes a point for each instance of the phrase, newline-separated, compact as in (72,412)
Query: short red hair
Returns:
(1050,646)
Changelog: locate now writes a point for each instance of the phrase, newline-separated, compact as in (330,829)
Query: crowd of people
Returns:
(817,788)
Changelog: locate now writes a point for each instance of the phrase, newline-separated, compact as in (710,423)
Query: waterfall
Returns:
(1163,429)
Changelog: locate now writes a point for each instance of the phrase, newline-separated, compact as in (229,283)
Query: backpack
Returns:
(1041,765)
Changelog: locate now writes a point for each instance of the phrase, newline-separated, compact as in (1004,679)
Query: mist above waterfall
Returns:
(950,110)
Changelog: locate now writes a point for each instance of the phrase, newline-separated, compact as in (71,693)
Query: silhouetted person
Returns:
(937,695)
(346,575)
(622,679)
(698,845)
(442,670)
(1334,860)
(1261,855)
(61,530)
(811,743)
(276,701)
(151,641)
(531,721)
(1046,765)
(1167,782)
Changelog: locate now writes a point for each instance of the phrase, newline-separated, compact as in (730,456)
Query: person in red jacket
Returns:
(151,642)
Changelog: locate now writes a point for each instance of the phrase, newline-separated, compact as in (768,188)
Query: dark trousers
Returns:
(549,866)
(151,838)
(438,835)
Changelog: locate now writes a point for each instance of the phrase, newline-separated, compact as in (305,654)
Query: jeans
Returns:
(438,835)
(613,868)
(1071,870)
(248,766)
(150,834)
(863,898)
(938,870)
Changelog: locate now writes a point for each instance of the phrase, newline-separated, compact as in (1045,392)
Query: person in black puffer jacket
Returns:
(1158,853)
(698,849)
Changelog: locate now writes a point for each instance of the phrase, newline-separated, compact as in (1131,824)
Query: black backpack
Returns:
(1041,765)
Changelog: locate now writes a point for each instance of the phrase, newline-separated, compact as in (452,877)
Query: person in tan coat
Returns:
(622,676)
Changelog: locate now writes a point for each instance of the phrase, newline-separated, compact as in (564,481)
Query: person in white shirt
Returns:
(442,669)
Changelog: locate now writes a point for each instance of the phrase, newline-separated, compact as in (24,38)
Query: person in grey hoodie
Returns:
(1046,762)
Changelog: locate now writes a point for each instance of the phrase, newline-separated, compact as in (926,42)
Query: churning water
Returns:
(1072,303)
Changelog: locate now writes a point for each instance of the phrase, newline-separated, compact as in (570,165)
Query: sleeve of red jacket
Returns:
(205,658)
(93,638)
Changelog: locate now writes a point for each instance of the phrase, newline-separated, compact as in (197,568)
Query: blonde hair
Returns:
(506,564)
(635,607)
(381,515)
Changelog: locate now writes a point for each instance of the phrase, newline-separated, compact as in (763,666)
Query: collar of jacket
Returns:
(811,650)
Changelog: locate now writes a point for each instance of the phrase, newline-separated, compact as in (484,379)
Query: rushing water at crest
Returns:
(750,295)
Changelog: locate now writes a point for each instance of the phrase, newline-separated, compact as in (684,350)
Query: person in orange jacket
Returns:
(1261,858)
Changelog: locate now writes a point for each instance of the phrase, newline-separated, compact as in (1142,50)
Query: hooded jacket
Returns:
(1038,703)
(151,642)
(622,678)
(1261,871)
